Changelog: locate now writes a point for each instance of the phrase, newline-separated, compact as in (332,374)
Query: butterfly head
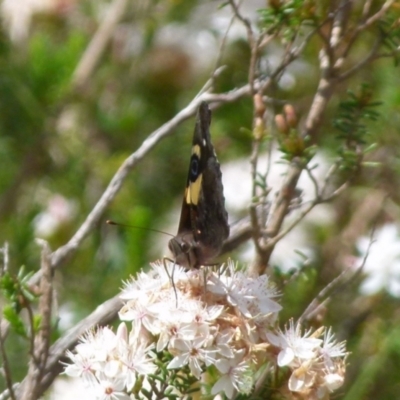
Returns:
(183,249)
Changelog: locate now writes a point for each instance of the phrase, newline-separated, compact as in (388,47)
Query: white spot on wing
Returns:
(204,142)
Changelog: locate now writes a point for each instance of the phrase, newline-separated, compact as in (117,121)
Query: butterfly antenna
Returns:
(171,278)
(110,222)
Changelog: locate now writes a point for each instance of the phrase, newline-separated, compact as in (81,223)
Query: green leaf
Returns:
(16,323)
(37,322)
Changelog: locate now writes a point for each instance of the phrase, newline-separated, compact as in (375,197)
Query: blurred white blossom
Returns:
(220,328)
(18,15)
(59,211)
(382,266)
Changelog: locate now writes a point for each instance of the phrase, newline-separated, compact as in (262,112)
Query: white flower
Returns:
(141,287)
(234,375)
(199,317)
(152,283)
(331,349)
(187,321)
(202,314)
(136,359)
(302,377)
(138,313)
(229,284)
(252,296)
(108,389)
(333,381)
(260,295)
(93,354)
(192,353)
(172,331)
(293,345)
(223,343)
(100,343)
(81,366)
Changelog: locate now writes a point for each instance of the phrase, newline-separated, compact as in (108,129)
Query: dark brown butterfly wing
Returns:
(203,225)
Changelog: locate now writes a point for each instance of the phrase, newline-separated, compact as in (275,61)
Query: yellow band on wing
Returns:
(193,191)
(196,150)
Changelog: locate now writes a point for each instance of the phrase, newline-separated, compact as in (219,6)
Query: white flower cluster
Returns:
(219,325)
(317,364)
(110,363)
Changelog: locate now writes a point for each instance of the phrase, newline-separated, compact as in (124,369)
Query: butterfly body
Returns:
(203,225)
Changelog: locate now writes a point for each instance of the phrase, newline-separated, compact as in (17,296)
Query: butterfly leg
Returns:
(205,281)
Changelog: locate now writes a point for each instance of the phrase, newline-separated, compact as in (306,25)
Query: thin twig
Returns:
(314,181)
(320,196)
(277,237)
(45,304)
(377,16)
(98,44)
(337,192)
(209,85)
(334,285)
(6,394)
(253,43)
(370,57)
(241,232)
(31,319)
(366,23)
(278,213)
(391,54)
(222,46)
(331,171)
(316,201)
(6,368)
(245,21)
(317,301)
(366,10)
(41,339)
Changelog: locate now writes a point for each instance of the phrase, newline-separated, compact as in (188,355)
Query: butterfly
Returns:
(203,225)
